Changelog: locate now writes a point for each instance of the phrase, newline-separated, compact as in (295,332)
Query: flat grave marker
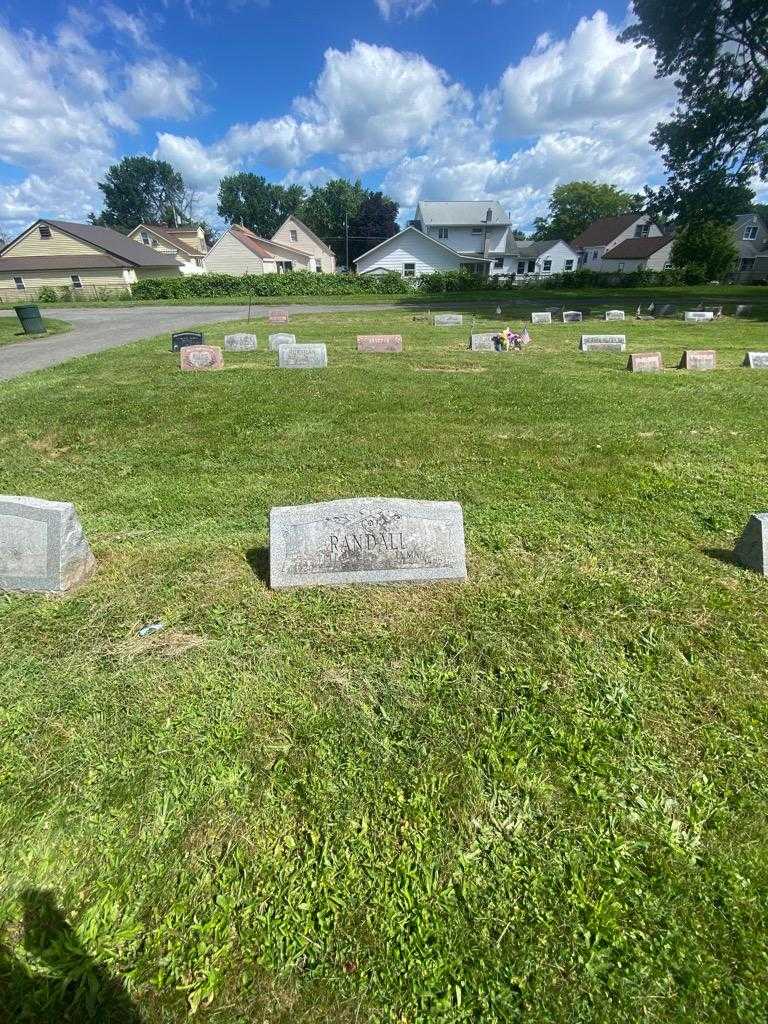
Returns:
(541,318)
(366,540)
(276,340)
(184,338)
(603,342)
(379,343)
(572,316)
(448,319)
(756,360)
(201,357)
(694,316)
(698,359)
(278,317)
(751,548)
(485,342)
(240,343)
(615,314)
(645,362)
(309,356)
(42,546)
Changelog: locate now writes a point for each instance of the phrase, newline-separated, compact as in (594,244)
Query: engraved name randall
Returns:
(366,540)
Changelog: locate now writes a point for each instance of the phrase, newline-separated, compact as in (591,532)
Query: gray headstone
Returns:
(645,362)
(698,359)
(184,338)
(302,357)
(276,340)
(752,547)
(448,319)
(240,343)
(366,540)
(697,315)
(483,342)
(603,342)
(572,316)
(743,310)
(201,357)
(379,343)
(756,360)
(614,314)
(541,318)
(42,545)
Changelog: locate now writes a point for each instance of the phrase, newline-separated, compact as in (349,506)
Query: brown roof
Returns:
(637,248)
(171,235)
(125,251)
(261,246)
(88,261)
(603,231)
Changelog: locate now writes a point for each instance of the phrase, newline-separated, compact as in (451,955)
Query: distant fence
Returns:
(47,293)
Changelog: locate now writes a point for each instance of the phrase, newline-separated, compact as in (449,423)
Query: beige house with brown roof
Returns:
(84,259)
(239,251)
(295,232)
(187,244)
(605,234)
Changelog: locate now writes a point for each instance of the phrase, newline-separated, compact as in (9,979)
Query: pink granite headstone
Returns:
(201,357)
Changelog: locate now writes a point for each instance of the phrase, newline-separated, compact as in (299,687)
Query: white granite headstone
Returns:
(276,340)
(240,343)
(699,316)
(42,545)
(756,360)
(541,318)
(752,547)
(310,356)
(448,319)
(614,314)
(603,342)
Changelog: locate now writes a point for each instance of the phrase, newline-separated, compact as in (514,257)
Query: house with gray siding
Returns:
(605,234)
(750,236)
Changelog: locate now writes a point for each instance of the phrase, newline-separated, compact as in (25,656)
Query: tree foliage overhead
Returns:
(717,138)
(575,205)
(260,205)
(708,244)
(140,190)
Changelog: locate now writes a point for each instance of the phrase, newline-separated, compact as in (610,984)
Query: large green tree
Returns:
(343,213)
(705,244)
(139,190)
(259,204)
(717,139)
(375,221)
(575,205)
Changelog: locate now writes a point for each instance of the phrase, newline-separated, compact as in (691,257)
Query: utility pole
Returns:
(346,238)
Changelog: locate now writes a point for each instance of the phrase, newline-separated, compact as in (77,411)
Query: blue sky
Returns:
(443,99)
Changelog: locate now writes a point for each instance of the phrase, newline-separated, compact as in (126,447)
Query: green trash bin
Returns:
(30,318)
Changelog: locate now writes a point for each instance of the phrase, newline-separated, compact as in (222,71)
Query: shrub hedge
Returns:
(634,279)
(299,282)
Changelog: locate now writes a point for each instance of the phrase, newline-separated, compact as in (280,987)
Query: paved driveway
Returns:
(96,329)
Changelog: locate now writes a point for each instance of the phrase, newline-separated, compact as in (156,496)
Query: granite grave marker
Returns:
(572,316)
(379,343)
(645,362)
(697,359)
(756,360)
(614,314)
(276,317)
(448,319)
(310,356)
(541,318)
(694,316)
(485,342)
(603,342)
(202,357)
(42,545)
(276,340)
(751,548)
(366,540)
(240,343)
(184,338)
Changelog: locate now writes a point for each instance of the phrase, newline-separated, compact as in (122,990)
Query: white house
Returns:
(295,233)
(468,227)
(413,253)
(605,234)
(240,251)
(187,245)
(750,236)
(531,259)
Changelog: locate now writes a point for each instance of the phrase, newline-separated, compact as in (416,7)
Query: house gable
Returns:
(411,248)
(59,243)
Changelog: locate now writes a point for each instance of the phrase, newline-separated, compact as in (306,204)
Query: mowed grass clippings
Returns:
(539,796)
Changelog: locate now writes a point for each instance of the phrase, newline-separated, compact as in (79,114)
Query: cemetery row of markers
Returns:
(43,548)
(195,355)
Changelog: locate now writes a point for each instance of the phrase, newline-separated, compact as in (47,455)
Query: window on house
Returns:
(499,263)
(294,236)
(620,267)
(144,236)
(594,255)
(477,231)
(19,282)
(750,232)
(569,264)
(76,282)
(531,266)
(547,265)
(747,264)
(442,232)
(521,266)
(45,231)
(641,230)
(409,270)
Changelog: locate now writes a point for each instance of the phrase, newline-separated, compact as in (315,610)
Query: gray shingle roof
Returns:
(115,244)
(637,248)
(469,212)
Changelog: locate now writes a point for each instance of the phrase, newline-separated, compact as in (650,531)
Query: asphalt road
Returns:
(94,330)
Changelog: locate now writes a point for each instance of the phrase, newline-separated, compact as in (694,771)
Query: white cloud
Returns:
(402,8)
(162,88)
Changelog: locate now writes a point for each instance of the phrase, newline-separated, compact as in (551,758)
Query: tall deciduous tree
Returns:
(327,209)
(707,244)
(139,190)
(259,204)
(575,205)
(375,221)
(717,139)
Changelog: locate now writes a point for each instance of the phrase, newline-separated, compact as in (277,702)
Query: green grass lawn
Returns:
(539,796)
(11,330)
